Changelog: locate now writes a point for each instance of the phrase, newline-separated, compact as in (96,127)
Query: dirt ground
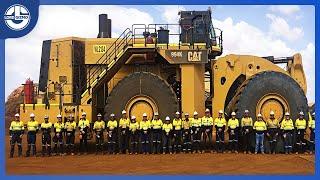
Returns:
(183,164)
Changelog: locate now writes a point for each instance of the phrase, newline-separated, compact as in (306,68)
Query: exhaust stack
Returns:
(104,26)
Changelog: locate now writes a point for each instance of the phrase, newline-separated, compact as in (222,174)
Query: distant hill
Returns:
(12,105)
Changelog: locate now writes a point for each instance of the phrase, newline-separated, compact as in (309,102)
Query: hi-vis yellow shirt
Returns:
(246,121)
(186,124)
(32,126)
(177,124)
(260,126)
(273,123)
(112,124)
(134,126)
(195,122)
(83,123)
(124,123)
(145,125)
(312,124)
(46,125)
(167,127)
(156,124)
(233,123)
(70,126)
(301,124)
(220,122)
(287,124)
(16,126)
(207,121)
(58,127)
(99,126)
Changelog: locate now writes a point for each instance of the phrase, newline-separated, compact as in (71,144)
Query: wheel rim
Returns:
(138,105)
(272,102)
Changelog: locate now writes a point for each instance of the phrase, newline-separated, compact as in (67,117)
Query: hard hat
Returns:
(233,114)
(259,115)
(177,113)
(59,116)
(46,117)
(301,113)
(195,113)
(220,112)
(207,110)
(99,115)
(313,114)
(287,114)
(123,112)
(144,114)
(84,114)
(17,115)
(155,113)
(133,117)
(186,114)
(71,115)
(112,115)
(31,115)
(271,113)
(246,111)
(167,118)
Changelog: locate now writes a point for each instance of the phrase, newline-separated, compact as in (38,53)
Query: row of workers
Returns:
(156,136)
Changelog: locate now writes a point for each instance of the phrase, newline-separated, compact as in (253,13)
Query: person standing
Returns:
(112,126)
(301,126)
(156,129)
(272,133)
(70,127)
(233,126)
(16,132)
(260,127)
(83,125)
(124,123)
(145,127)
(167,136)
(98,128)
(220,124)
(246,125)
(207,126)
(46,127)
(134,135)
(196,133)
(312,126)
(58,129)
(177,133)
(287,128)
(32,127)
(186,124)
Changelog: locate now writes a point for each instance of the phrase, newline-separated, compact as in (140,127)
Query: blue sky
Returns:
(256,30)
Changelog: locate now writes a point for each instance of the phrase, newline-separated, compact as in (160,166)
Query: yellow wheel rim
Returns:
(272,102)
(140,104)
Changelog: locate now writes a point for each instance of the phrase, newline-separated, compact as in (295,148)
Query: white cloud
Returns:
(287,10)
(279,27)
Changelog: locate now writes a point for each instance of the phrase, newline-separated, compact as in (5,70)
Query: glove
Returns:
(284,135)
(68,134)
(191,132)
(219,129)
(247,130)
(232,132)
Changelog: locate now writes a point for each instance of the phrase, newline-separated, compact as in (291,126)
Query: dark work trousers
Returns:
(124,140)
(145,140)
(31,138)
(58,141)
(300,140)
(156,140)
(196,138)
(312,140)
(99,141)
(166,142)
(272,139)
(84,142)
(187,146)
(220,139)
(233,139)
(246,134)
(287,136)
(70,142)
(207,138)
(177,140)
(46,143)
(112,139)
(134,142)
(15,139)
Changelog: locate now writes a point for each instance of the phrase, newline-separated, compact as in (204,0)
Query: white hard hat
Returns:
(271,113)
(99,115)
(167,118)
(220,112)
(313,114)
(59,116)
(287,114)
(84,114)
(112,115)
(133,117)
(46,117)
(144,114)
(207,110)
(31,115)
(17,115)
(155,113)
(123,112)
(246,111)
(233,114)
(301,113)
(259,115)
(177,113)
(186,114)
(195,113)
